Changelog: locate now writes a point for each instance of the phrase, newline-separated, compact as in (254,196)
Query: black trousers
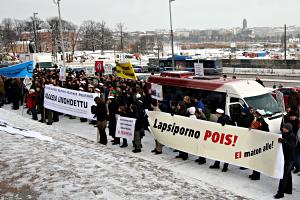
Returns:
(286,183)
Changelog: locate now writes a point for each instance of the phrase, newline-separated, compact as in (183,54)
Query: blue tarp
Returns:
(18,71)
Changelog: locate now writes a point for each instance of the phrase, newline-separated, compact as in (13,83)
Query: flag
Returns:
(125,70)
(99,68)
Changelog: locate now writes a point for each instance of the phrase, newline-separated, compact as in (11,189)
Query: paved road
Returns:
(270,80)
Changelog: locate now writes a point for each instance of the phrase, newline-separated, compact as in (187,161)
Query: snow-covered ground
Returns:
(73,166)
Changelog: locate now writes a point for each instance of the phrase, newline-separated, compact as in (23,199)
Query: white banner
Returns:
(70,102)
(252,149)
(199,71)
(125,127)
(156,92)
(8,128)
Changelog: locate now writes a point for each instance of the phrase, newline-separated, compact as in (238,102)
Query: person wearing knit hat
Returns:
(222,119)
(192,111)
(31,104)
(31,90)
(289,143)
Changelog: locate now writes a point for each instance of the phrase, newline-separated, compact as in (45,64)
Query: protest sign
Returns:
(252,149)
(125,70)
(125,127)
(156,92)
(70,102)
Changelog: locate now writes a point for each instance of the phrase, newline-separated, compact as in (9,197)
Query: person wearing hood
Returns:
(288,142)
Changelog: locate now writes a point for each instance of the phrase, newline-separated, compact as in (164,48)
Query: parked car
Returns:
(137,69)
(286,91)
(155,68)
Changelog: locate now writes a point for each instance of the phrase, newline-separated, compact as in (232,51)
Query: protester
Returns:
(113,106)
(101,114)
(181,110)
(259,124)
(134,113)
(158,147)
(246,118)
(288,141)
(294,100)
(122,113)
(31,104)
(2,92)
(15,93)
(222,119)
(200,115)
(297,153)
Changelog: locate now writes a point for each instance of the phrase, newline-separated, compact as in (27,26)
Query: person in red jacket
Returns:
(31,103)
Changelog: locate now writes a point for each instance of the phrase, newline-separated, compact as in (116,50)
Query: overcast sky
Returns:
(154,14)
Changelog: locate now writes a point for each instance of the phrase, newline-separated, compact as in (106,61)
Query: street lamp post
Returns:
(172,36)
(35,32)
(61,33)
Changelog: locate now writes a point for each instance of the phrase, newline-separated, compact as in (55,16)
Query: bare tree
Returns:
(94,35)
(69,34)
(120,31)
(9,36)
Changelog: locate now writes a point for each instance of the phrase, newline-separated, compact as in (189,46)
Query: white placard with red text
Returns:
(252,149)
(125,127)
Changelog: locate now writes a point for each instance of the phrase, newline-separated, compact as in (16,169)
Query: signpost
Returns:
(199,71)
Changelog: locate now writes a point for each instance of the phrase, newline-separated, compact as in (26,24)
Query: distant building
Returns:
(245,24)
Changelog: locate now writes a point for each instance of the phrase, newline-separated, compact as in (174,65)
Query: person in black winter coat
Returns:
(101,114)
(135,113)
(15,93)
(222,119)
(246,118)
(288,141)
(113,106)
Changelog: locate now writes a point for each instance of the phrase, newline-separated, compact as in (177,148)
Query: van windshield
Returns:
(264,102)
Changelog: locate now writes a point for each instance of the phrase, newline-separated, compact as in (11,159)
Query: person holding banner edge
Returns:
(288,141)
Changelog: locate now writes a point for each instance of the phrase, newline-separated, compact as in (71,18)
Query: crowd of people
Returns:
(130,98)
